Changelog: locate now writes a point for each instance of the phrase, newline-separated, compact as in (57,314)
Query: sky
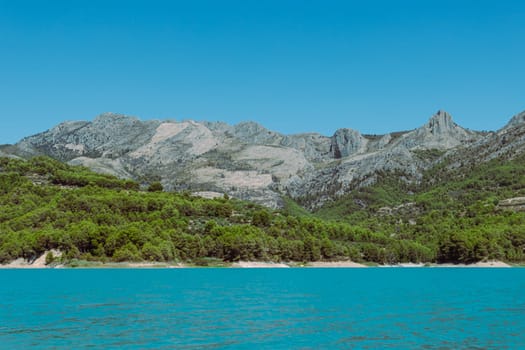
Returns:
(294,66)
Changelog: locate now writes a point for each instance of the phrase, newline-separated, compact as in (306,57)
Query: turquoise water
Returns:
(263,309)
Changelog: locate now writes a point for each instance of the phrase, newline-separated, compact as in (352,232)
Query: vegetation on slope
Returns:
(46,205)
(453,210)
(452,216)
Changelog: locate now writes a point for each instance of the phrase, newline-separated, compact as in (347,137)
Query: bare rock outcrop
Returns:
(347,142)
(249,161)
(515,204)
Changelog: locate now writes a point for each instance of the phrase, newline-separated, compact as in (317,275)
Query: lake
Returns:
(297,308)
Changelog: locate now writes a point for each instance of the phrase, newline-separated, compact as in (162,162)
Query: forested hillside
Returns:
(448,217)
(454,211)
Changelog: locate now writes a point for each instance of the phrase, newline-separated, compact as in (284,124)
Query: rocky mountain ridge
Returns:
(251,162)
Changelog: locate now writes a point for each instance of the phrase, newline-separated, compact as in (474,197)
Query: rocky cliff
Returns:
(251,162)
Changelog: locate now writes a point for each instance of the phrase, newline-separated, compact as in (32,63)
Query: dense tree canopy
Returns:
(45,204)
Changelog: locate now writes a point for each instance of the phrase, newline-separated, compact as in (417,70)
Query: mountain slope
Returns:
(246,160)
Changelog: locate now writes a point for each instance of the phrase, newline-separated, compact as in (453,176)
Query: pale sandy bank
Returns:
(334,264)
(39,263)
(258,264)
(492,263)
(145,265)
(18,264)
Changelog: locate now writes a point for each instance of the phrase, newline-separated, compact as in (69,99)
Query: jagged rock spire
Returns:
(440,122)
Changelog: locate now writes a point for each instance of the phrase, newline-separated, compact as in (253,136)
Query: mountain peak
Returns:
(518,119)
(440,132)
(110,117)
(441,122)
(441,118)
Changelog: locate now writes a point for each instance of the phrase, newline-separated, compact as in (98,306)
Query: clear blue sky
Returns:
(294,66)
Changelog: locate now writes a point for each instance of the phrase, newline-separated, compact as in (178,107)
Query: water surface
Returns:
(374,308)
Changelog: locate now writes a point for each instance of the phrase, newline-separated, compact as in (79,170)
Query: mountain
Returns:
(248,161)
(438,193)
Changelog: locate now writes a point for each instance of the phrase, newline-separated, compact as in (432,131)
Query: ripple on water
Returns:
(273,309)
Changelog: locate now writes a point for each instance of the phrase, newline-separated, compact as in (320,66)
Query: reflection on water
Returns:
(263,308)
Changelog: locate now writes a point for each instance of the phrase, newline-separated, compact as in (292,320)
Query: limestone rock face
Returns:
(440,133)
(516,121)
(515,204)
(109,135)
(346,142)
(251,162)
(506,143)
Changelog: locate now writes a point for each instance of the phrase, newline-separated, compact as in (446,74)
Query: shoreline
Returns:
(40,264)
